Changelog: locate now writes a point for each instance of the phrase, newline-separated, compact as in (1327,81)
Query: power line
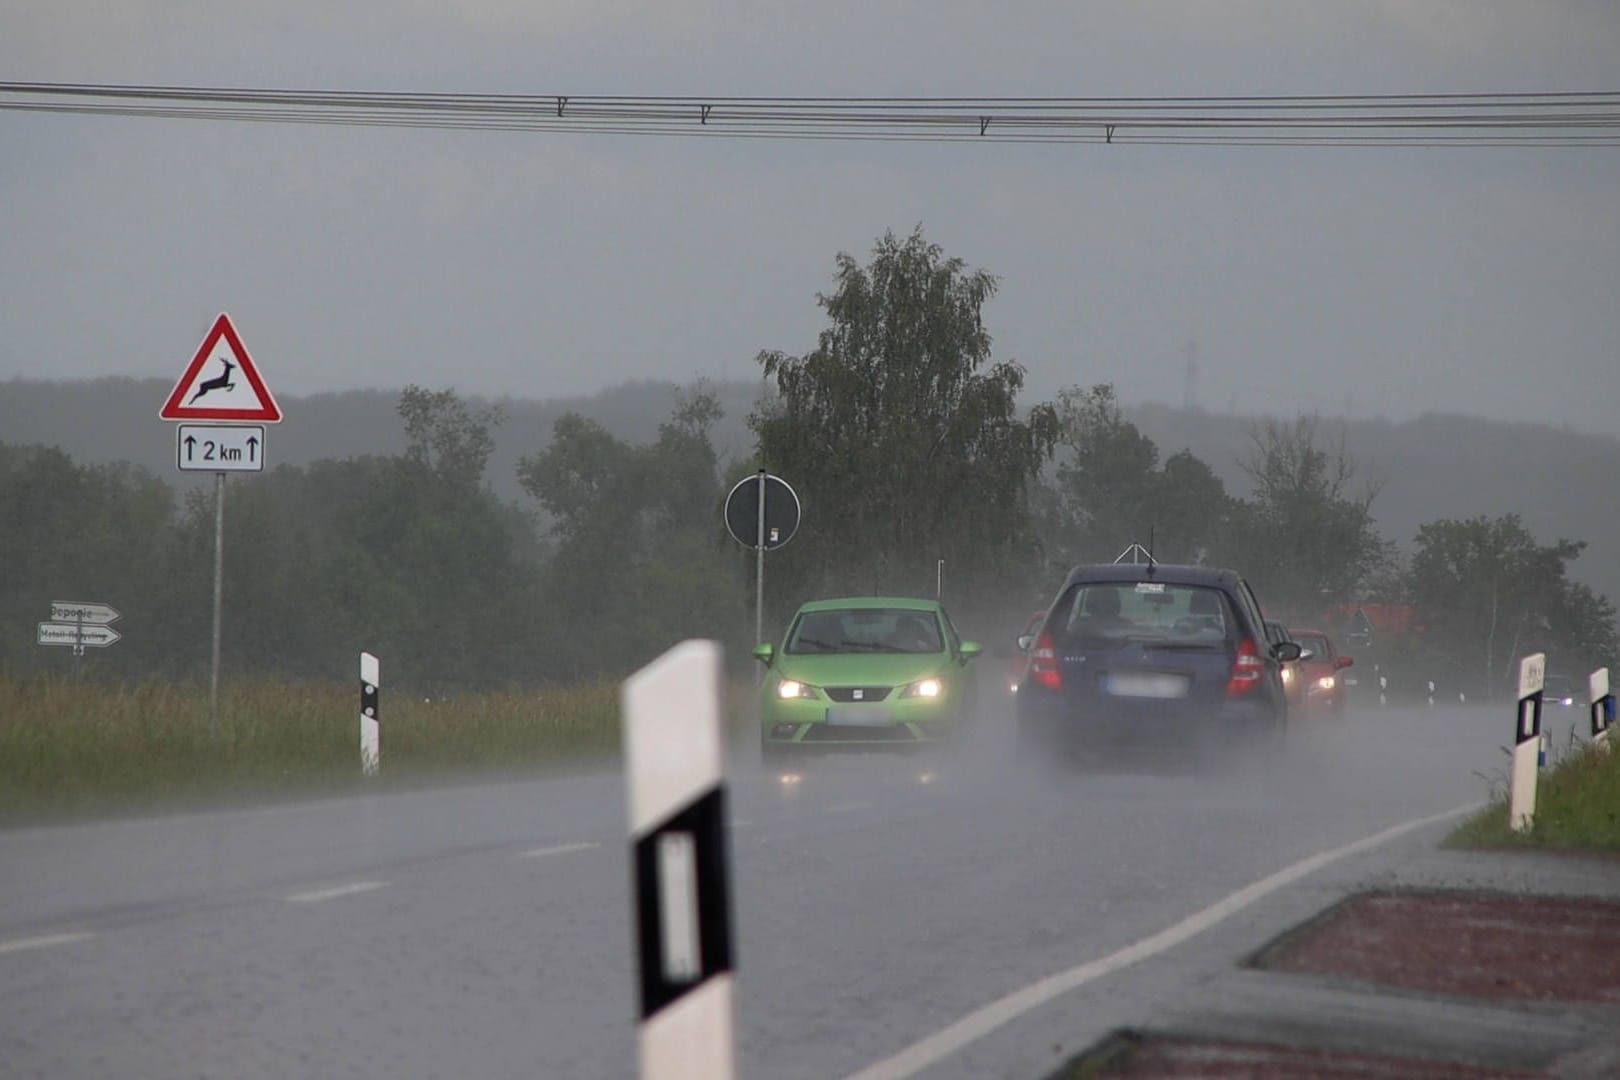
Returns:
(1543,119)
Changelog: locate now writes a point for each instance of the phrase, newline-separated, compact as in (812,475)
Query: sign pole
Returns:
(759,567)
(219,589)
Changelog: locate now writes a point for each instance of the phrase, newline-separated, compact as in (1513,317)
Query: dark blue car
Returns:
(1152,657)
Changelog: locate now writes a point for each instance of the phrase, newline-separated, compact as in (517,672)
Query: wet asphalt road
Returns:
(484,930)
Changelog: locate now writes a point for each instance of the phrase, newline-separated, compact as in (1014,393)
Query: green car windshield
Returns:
(866,630)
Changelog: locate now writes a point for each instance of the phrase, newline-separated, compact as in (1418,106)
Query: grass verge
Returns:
(1577,808)
(71,750)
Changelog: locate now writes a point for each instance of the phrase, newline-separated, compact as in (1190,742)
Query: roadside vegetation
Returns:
(70,749)
(1577,809)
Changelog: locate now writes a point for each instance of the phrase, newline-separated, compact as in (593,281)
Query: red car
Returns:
(1020,659)
(1320,670)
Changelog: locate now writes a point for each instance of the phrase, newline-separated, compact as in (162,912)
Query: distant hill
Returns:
(1563,483)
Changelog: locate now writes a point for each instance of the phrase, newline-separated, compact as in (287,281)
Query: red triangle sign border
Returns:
(175,408)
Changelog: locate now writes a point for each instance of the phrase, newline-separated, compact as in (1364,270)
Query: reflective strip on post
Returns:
(370,684)
(1526,743)
(673,760)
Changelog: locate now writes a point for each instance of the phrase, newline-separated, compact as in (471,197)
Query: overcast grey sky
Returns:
(1382,281)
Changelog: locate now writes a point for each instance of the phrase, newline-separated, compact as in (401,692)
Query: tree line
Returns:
(915,461)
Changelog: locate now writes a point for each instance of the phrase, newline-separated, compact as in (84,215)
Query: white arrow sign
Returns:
(96,637)
(220,447)
(82,611)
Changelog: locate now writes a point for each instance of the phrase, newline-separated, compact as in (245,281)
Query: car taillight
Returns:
(1247,667)
(1043,663)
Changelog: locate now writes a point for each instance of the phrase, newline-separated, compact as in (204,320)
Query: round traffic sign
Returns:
(781,512)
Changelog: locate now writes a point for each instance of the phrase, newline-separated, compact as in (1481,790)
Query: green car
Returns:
(865,672)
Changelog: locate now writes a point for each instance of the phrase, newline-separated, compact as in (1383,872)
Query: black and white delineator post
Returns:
(674,768)
(1526,743)
(1602,699)
(370,683)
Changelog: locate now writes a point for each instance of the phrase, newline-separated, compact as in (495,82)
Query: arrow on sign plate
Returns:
(80,611)
(96,637)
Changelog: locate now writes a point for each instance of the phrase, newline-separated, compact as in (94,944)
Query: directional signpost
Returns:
(79,635)
(80,624)
(221,385)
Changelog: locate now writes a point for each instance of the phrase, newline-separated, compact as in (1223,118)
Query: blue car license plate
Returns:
(1145,684)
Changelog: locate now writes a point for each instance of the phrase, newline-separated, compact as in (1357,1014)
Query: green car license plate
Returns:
(860,716)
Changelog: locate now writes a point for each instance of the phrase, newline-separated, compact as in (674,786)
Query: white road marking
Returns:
(44,941)
(975,1025)
(315,896)
(559,849)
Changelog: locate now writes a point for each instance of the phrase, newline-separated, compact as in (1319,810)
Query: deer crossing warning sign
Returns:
(222,383)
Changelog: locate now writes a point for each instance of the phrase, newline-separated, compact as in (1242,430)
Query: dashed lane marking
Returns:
(975,1025)
(44,941)
(316,896)
(558,849)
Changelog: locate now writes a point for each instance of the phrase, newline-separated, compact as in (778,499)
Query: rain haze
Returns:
(945,787)
(1360,282)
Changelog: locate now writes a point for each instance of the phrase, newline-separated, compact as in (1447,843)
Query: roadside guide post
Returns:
(674,771)
(1602,707)
(370,718)
(238,405)
(1527,743)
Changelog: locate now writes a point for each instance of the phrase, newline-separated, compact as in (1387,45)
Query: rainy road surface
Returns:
(484,931)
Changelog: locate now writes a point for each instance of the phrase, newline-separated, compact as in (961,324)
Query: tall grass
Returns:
(1577,808)
(70,749)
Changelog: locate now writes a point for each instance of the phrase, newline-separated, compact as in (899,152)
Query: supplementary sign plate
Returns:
(220,447)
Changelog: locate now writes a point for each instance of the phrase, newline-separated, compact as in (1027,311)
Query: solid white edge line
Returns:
(948,1040)
(44,941)
(315,896)
(558,849)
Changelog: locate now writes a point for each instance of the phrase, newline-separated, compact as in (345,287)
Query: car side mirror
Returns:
(968,650)
(1344,662)
(1286,651)
(1025,641)
(765,653)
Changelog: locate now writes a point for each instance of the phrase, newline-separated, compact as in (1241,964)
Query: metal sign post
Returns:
(762,512)
(220,384)
(759,564)
(219,602)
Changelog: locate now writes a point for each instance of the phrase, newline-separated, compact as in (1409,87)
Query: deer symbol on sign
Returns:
(218,382)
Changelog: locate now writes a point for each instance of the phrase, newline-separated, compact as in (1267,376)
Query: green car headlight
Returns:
(924,688)
(789,689)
